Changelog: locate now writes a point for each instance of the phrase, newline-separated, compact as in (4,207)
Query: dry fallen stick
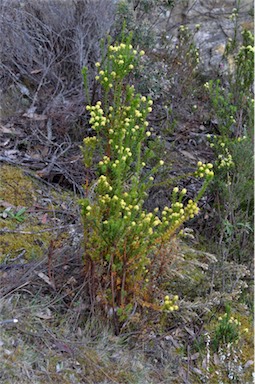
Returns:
(11,321)
(46,279)
(13,266)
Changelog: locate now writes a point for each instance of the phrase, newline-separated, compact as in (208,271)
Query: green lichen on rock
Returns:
(31,245)
(15,187)
(30,236)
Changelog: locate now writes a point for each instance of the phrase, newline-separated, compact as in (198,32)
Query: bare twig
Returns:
(7,322)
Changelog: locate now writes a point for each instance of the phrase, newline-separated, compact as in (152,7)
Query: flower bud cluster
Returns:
(234,14)
(225,161)
(228,325)
(88,149)
(231,320)
(240,139)
(122,58)
(128,124)
(97,120)
(170,303)
(103,182)
(204,170)
(86,207)
(183,28)
(191,209)
(90,140)
(105,161)
(173,214)
(224,158)
(178,212)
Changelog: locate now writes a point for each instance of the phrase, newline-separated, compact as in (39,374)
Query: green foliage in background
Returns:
(227,330)
(233,106)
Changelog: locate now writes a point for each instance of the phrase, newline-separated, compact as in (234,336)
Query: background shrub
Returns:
(44,46)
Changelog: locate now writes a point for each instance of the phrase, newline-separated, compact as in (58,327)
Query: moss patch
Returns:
(30,236)
(16,188)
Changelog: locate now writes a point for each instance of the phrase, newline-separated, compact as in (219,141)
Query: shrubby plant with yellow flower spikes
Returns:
(119,235)
(227,331)
(227,346)
(232,105)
